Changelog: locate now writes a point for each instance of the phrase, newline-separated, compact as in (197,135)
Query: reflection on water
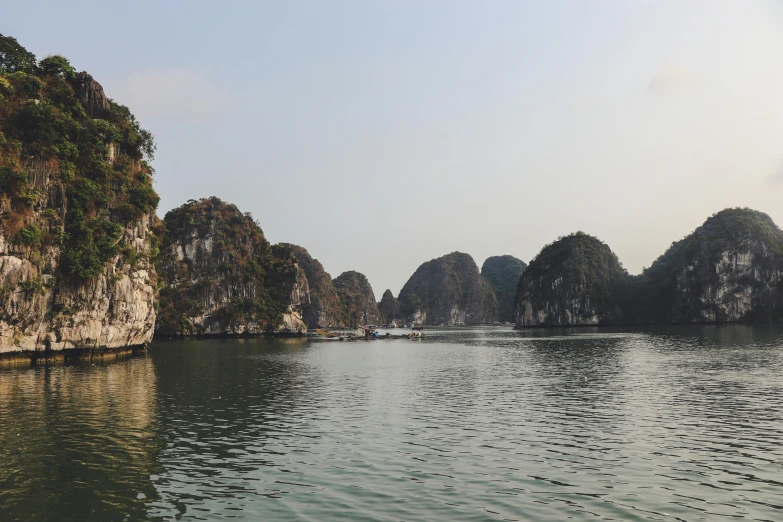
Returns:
(78,442)
(674,423)
(231,411)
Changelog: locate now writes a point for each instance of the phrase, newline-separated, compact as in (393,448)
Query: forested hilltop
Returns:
(448,290)
(728,270)
(77,203)
(345,301)
(574,280)
(503,273)
(222,277)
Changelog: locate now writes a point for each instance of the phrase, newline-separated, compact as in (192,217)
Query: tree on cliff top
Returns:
(575,265)
(653,292)
(14,57)
(240,263)
(43,119)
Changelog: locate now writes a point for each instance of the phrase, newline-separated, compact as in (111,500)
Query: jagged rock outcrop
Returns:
(221,276)
(324,308)
(92,97)
(294,294)
(503,273)
(357,299)
(448,290)
(77,229)
(389,308)
(574,281)
(42,310)
(346,301)
(729,269)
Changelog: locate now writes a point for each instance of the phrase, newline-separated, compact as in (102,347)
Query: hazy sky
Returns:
(382,134)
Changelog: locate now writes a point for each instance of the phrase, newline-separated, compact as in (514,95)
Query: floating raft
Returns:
(350,336)
(412,337)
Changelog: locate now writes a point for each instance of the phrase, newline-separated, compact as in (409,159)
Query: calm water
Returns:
(470,424)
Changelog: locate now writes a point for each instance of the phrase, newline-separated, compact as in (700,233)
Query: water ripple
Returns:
(471,424)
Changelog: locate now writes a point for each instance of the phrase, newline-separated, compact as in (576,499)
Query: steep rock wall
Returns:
(729,269)
(357,299)
(503,273)
(221,276)
(77,227)
(573,281)
(448,290)
(92,97)
(43,311)
(325,308)
(389,308)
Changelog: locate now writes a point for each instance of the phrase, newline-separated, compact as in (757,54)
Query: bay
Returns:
(673,423)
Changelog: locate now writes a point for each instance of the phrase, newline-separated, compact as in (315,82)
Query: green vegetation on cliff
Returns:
(729,269)
(574,280)
(736,250)
(325,308)
(216,261)
(448,290)
(357,299)
(77,218)
(389,308)
(57,128)
(345,301)
(503,272)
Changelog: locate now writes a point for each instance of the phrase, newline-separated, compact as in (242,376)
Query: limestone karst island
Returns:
(88,267)
(391,261)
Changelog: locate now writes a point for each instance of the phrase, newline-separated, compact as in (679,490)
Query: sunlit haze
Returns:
(379,135)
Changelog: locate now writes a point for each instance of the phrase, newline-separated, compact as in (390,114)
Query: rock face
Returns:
(503,273)
(729,269)
(287,285)
(346,301)
(45,311)
(221,276)
(389,308)
(92,97)
(357,299)
(573,281)
(76,235)
(448,290)
(324,308)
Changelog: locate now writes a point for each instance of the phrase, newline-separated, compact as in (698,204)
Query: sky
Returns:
(382,134)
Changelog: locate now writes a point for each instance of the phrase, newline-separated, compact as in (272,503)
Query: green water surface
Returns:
(469,424)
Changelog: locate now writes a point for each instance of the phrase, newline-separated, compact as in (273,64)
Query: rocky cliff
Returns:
(448,290)
(76,234)
(221,276)
(573,281)
(728,269)
(357,299)
(324,308)
(389,308)
(503,273)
